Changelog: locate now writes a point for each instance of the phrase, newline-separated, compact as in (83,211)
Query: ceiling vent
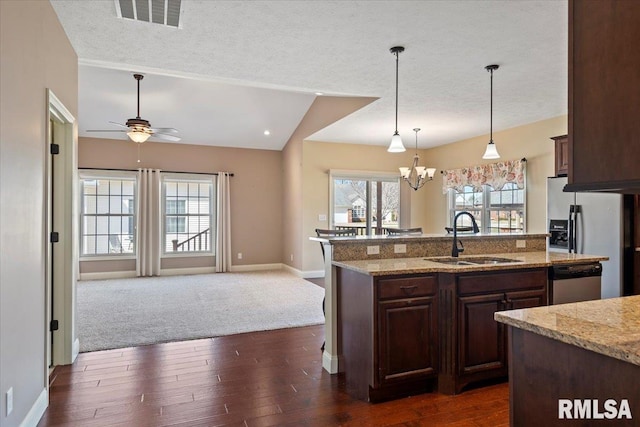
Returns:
(163,12)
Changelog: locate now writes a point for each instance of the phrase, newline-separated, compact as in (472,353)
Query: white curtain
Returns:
(223,225)
(148,222)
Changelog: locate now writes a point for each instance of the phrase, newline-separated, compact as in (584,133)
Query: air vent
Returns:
(163,12)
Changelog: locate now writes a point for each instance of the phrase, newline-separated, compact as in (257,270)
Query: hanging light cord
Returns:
(491,107)
(397,53)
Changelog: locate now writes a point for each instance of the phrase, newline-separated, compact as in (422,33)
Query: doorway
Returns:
(60,230)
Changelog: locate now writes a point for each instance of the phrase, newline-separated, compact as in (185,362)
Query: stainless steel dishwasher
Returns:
(574,282)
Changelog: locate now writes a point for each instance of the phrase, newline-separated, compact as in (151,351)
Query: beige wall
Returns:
(530,141)
(256,188)
(35,54)
(322,112)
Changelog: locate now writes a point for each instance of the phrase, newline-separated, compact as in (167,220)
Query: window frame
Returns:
(95,175)
(486,209)
(369,176)
(188,178)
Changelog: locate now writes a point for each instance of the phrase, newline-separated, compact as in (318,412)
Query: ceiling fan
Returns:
(139,129)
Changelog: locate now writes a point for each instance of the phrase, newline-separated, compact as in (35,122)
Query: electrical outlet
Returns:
(373,250)
(239,255)
(521,244)
(9,401)
(291,256)
(400,249)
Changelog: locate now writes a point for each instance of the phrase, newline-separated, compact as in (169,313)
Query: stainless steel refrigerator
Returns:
(594,226)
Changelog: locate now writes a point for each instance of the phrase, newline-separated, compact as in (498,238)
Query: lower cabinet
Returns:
(476,346)
(402,335)
(388,334)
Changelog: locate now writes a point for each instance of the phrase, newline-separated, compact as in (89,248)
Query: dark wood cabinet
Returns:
(399,335)
(561,155)
(476,346)
(388,333)
(604,83)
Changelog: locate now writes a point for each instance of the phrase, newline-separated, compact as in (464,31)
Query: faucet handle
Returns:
(461,248)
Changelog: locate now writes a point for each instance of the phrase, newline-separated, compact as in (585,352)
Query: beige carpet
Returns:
(131,312)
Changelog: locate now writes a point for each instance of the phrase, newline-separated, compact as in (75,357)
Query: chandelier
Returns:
(416,175)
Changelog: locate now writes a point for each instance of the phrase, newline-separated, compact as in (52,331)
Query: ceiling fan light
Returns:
(396,145)
(138,136)
(491,152)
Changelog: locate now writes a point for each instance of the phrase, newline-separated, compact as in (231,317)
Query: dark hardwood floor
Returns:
(254,379)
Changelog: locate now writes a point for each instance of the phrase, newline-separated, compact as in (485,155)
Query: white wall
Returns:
(35,54)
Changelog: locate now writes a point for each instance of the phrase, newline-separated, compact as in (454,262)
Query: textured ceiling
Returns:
(288,50)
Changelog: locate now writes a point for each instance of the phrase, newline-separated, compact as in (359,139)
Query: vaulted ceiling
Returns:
(233,69)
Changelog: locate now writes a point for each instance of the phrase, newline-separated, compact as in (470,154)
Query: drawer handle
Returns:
(409,290)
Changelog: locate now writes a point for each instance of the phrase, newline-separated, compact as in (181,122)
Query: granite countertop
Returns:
(610,327)
(383,267)
(387,237)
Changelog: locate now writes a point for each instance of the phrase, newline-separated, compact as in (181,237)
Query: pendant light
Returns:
(416,175)
(396,145)
(491,152)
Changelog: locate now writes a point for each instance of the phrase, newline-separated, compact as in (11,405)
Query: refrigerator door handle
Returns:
(571,230)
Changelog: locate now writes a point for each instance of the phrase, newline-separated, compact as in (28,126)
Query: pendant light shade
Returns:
(491,152)
(396,145)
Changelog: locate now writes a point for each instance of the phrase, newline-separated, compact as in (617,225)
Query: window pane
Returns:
(104,228)
(187,221)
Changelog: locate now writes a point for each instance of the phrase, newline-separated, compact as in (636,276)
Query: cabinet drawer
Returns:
(502,282)
(407,287)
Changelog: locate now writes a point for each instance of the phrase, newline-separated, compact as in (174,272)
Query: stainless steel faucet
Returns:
(455,250)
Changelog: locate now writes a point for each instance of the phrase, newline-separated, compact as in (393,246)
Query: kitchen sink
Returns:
(471,260)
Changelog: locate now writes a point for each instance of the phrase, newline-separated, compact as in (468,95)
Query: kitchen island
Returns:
(578,361)
(407,325)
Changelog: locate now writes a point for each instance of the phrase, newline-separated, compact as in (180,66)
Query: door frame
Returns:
(61,288)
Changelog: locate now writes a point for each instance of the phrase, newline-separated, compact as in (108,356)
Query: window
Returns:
(496,211)
(108,218)
(367,202)
(188,215)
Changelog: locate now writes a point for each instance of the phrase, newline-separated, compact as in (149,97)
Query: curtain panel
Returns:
(148,223)
(223,224)
(494,174)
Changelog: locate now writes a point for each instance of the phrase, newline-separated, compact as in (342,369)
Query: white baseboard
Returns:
(37,410)
(102,275)
(185,271)
(330,363)
(75,350)
(255,267)
(312,274)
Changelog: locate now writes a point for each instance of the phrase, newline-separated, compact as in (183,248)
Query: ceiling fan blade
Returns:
(165,137)
(170,130)
(104,130)
(118,124)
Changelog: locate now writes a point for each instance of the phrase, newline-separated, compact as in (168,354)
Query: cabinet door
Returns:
(407,342)
(604,84)
(562,155)
(481,340)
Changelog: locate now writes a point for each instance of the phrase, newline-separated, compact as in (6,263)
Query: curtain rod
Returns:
(136,170)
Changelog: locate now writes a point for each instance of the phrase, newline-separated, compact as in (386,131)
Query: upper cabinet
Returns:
(562,155)
(604,96)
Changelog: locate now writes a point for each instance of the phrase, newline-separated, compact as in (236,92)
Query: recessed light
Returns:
(319,93)
(266,132)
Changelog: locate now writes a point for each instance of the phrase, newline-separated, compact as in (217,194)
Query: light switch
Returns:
(322,217)
(521,244)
